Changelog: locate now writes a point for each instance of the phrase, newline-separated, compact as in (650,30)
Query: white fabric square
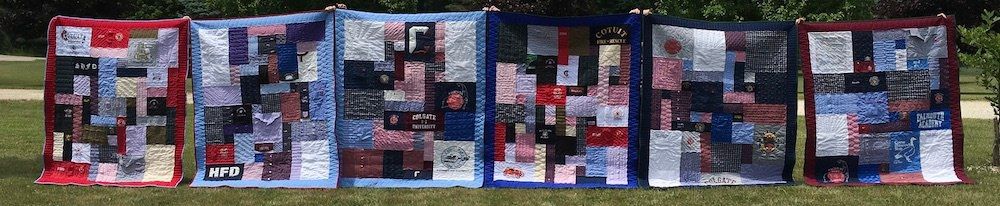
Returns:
(518,171)
(166,47)
(454,160)
(668,36)
(307,67)
(567,74)
(315,160)
(81,153)
(665,158)
(365,40)
(460,51)
(609,55)
(57,145)
(831,52)
(709,50)
(73,41)
(612,116)
(215,57)
(937,162)
(159,163)
(831,135)
(543,40)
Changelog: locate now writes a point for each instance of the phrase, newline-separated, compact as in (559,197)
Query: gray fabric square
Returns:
(214,134)
(769,143)
(909,85)
(510,113)
(218,115)
(131,168)
(767,51)
(363,104)
(874,149)
(270,103)
(308,131)
(726,157)
(828,83)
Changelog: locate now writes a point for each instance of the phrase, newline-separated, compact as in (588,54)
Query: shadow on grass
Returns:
(15,167)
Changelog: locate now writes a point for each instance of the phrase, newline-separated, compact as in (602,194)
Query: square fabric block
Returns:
(721,95)
(411,99)
(267,120)
(107,127)
(887,118)
(564,100)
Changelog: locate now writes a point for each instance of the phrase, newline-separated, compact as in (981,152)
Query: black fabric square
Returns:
(130,113)
(383,80)
(771,88)
(130,72)
(242,114)
(939,99)
(85,110)
(587,71)
(706,96)
(64,119)
(392,164)
(171,125)
(513,43)
(250,89)
(545,67)
(836,169)
(565,146)
(865,82)
(357,74)
(156,106)
(106,153)
(545,134)
(456,96)
(511,134)
(394,120)
(862,45)
(64,78)
(421,48)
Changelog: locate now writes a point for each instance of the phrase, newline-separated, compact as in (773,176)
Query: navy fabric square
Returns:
(770,88)
(288,65)
(456,96)
(706,96)
(836,169)
(304,32)
(457,127)
(722,128)
(238,46)
(865,82)
(356,74)
(421,45)
(863,46)
(250,89)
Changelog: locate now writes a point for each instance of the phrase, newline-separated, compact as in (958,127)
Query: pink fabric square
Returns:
(616,170)
(107,172)
(439,32)
(853,137)
(413,72)
(391,139)
(265,30)
(667,73)
(428,145)
(394,31)
(140,97)
(506,81)
(898,178)
(69,99)
(666,114)
(81,85)
(603,75)
(741,56)
(565,174)
(618,95)
(234,74)
(253,171)
(156,92)
(738,97)
(599,92)
(525,149)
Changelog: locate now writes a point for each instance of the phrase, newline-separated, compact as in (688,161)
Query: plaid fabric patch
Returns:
(883,114)
(564,101)
(115,102)
(412,96)
(264,102)
(723,99)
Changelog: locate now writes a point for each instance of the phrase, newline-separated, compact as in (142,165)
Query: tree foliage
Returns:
(984,55)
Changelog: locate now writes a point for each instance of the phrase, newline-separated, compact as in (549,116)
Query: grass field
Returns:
(20,154)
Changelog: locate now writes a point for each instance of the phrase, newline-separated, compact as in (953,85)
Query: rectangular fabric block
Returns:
(891,118)
(728,119)
(410,91)
(267,118)
(114,102)
(566,113)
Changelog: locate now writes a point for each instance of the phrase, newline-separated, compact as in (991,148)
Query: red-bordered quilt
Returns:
(114,102)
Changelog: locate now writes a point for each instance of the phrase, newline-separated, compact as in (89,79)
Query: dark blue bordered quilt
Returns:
(264,102)
(411,94)
(563,101)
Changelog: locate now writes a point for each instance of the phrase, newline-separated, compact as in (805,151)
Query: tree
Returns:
(985,55)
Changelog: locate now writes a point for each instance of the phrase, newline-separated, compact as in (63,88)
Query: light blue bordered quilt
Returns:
(411,89)
(264,102)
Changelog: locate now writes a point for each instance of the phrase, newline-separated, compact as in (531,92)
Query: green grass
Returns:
(22,75)
(20,153)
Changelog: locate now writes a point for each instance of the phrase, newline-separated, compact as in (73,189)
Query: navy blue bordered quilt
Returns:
(411,94)
(563,101)
(264,102)
(720,102)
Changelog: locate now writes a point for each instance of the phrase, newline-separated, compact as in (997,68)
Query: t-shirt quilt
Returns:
(720,102)
(264,102)
(564,101)
(882,102)
(114,102)
(411,95)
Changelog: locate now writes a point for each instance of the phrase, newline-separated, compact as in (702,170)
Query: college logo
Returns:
(454,157)
(224,172)
(609,35)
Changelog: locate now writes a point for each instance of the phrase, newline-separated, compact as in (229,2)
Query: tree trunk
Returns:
(996,141)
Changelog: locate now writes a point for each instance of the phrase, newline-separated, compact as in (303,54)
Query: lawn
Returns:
(22,75)
(21,157)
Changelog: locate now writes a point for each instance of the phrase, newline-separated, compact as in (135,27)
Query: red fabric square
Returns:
(220,154)
(109,37)
(607,136)
(863,66)
(563,58)
(413,160)
(550,94)
(361,163)
(68,171)
(290,107)
(500,142)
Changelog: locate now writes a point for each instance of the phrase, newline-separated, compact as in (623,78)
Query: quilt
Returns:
(563,101)
(410,90)
(882,102)
(720,102)
(264,102)
(114,102)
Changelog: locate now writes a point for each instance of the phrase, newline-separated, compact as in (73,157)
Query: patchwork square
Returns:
(411,98)
(564,99)
(722,95)
(268,119)
(107,127)
(882,122)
